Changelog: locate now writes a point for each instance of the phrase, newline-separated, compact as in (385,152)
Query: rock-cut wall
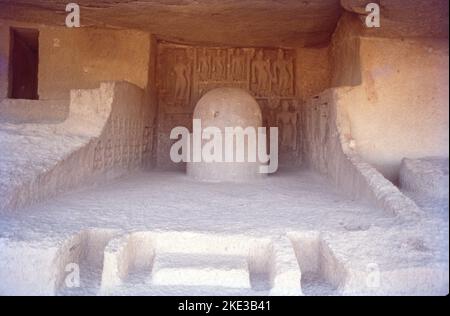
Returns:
(328,147)
(399,107)
(105,135)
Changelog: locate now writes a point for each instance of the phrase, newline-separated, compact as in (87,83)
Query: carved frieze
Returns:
(186,73)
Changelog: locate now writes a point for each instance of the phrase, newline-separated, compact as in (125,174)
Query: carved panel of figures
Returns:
(272,73)
(219,65)
(186,73)
(282,74)
(238,64)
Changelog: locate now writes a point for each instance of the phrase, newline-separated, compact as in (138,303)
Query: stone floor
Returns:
(205,232)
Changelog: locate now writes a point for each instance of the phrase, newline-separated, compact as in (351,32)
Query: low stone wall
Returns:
(20,111)
(104,136)
(328,147)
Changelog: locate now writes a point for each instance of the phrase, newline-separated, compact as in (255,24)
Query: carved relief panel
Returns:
(219,67)
(125,144)
(186,73)
(175,73)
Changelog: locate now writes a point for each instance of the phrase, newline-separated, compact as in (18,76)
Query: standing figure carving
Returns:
(219,66)
(181,72)
(282,73)
(260,69)
(238,63)
(204,65)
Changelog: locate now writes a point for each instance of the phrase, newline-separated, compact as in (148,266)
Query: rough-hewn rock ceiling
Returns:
(238,22)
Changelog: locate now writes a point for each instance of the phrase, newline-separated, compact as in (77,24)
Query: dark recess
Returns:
(24,61)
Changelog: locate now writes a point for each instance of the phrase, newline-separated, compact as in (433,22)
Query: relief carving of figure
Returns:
(261,74)
(287,121)
(219,65)
(282,73)
(238,63)
(181,72)
(204,65)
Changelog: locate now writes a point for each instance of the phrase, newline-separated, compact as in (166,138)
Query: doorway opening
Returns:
(24,61)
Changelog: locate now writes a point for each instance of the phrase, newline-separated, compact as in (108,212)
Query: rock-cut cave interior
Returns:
(113,164)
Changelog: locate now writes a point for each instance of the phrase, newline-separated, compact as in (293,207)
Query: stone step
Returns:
(201,270)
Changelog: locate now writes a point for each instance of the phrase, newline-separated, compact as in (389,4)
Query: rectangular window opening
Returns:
(24,61)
